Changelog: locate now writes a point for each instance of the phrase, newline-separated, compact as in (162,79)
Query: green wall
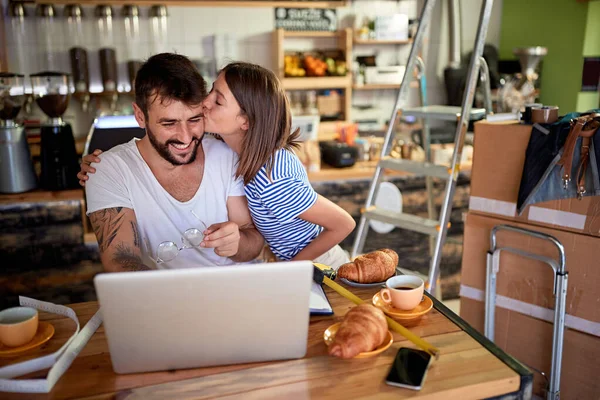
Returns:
(591,48)
(559,25)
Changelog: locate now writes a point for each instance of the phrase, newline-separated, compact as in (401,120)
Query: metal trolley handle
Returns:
(559,290)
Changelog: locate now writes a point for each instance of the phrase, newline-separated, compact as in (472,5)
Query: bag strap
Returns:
(585,127)
(566,160)
(589,131)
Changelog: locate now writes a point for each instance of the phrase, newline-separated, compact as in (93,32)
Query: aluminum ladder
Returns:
(436,228)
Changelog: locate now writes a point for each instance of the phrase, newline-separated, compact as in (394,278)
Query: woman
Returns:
(248,109)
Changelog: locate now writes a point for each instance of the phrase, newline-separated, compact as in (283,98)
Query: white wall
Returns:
(246,34)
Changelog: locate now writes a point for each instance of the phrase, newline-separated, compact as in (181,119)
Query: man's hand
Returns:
(86,167)
(224,237)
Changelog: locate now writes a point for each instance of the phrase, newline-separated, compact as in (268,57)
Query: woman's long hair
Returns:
(262,100)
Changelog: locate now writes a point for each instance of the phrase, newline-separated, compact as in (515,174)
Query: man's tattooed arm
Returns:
(126,257)
(106,224)
(118,239)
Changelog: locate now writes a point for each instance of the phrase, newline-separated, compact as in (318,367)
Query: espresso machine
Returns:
(16,169)
(58,157)
(522,88)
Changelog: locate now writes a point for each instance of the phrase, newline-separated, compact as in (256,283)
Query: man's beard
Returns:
(163,148)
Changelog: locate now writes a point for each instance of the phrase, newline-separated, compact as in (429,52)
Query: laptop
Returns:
(198,317)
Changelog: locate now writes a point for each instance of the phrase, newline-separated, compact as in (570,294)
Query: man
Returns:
(170,199)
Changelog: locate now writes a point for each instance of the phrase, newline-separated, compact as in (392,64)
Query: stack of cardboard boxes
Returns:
(525,301)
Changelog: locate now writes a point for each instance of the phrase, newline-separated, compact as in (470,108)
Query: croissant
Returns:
(371,267)
(364,329)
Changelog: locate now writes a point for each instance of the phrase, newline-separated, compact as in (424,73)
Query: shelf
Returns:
(413,84)
(325,82)
(111,94)
(305,34)
(377,41)
(209,3)
(105,95)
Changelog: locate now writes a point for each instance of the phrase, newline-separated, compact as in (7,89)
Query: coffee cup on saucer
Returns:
(18,326)
(403,292)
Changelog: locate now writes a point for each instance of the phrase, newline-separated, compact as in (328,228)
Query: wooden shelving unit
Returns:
(346,38)
(377,41)
(374,42)
(413,84)
(206,3)
(325,82)
(309,34)
(344,43)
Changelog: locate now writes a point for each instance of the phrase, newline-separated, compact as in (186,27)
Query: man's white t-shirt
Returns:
(123,179)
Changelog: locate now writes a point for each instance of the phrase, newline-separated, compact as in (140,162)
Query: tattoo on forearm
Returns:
(127,258)
(106,225)
(136,235)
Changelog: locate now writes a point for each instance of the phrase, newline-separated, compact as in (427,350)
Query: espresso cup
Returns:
(403,292)
(18,326)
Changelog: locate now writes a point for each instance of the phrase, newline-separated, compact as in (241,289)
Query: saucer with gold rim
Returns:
(423,308)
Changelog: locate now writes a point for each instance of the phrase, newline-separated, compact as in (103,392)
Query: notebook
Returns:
(319,304)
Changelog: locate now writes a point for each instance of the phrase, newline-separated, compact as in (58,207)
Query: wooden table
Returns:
(469,367)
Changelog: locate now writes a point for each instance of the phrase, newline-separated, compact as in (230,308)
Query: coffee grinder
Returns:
(16,170)
(59,160)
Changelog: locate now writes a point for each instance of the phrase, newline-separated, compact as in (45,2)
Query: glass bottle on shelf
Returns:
(131,23)
(159,29)
(19,60)
(77,53)
(50,36)
(107,52)
(296,103)
(311,103)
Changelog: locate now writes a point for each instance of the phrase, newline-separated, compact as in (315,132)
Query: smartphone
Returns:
(409,369)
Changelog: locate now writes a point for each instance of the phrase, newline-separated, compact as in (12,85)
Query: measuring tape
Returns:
(422,343)
(58,362)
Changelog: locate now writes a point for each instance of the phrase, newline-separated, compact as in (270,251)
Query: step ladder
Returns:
(433,226)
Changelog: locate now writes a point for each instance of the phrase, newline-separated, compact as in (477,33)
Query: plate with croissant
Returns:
(370,269)
(363,333)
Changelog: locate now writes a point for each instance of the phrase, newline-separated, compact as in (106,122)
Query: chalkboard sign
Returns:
(306,19)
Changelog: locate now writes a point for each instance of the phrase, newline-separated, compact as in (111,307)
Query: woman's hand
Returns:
(86,167)
(223,237)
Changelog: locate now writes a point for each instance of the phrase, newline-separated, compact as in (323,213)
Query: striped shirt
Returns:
(276,203)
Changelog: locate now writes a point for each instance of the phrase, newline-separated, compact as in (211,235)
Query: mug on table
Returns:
(18,326)
(403,292)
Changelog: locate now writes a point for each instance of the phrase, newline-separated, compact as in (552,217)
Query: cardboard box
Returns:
(530,281)
(330,105)
(498,159)
(525,301)
(529,340)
